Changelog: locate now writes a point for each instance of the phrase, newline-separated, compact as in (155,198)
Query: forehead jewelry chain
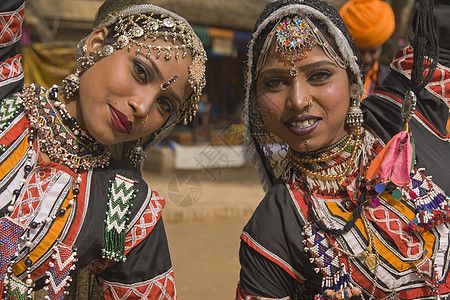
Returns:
(165,85)
(294,40)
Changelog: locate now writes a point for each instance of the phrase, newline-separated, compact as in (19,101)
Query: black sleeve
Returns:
(261,277)
(272,256)
(147,260)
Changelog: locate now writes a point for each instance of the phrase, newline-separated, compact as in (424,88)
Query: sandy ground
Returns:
(204,216)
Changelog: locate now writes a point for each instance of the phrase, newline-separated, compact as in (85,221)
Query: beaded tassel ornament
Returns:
(121,192)
(336,283)
(392,172)
(63,259)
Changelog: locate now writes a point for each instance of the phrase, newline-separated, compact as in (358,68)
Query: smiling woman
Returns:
(355,204)
(65,202)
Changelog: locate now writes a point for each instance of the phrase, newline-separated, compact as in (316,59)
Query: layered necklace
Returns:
(328,168)
(58,135)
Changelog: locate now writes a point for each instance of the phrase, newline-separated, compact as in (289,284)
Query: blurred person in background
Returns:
(371,23)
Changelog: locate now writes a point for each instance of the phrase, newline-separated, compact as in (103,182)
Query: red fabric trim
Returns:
(271,258)
(439,84)
(422,118)
(161,287)
(11,24)
(10,68)
(15,131)
(146,222)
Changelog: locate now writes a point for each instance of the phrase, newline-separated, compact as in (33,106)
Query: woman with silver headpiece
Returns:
(65,202)
(351,209)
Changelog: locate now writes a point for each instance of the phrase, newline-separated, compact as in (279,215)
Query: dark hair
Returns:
(425,45)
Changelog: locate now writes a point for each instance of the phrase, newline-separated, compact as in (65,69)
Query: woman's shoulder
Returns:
(276,217)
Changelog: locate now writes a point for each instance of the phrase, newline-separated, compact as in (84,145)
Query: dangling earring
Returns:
(137,155)
(72,82)
(355,114)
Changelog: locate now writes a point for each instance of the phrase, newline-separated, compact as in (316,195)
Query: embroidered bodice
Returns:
(80,208)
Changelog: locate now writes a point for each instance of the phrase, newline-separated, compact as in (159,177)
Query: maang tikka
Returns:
(296,37)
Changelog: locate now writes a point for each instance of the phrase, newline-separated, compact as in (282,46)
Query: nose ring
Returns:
(309,101)
(144,119)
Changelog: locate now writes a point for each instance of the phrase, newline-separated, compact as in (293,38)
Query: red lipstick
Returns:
(120,121)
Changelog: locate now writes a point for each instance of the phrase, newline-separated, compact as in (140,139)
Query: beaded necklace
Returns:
(69,146)
(306,165)
(60,143)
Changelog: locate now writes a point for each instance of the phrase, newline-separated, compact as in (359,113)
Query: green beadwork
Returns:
(9,107)
(121,193)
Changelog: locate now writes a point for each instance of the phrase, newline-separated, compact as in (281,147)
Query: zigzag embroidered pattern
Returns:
(8,110)
(58,274)
(17,290)
(121,192)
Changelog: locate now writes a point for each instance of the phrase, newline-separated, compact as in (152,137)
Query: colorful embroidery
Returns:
(160,287)
(432,206)
(62,263)
(121,192)
(11,70)
(11,25)
(439,84)
(10,232)
(336,282)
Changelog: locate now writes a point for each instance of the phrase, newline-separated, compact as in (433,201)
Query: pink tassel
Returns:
(393,163)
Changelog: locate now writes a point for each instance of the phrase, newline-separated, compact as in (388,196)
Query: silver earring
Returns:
(355,114)
(72,82)
(306,142)
(85,49)
(137,155)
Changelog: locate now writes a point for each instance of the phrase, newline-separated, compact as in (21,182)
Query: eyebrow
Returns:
(301,69)
(161,77)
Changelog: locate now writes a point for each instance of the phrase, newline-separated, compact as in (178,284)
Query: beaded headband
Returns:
(129,28)
(147,23)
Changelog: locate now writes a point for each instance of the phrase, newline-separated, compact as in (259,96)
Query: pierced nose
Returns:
(309,102)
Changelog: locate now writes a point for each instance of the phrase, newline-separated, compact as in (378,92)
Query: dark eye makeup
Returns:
(319,76)
(166,105)
(142,71)
(273,82)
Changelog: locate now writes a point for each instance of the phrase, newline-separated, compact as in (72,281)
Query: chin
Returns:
(104,139)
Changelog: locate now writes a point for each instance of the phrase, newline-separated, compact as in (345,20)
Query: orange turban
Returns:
(370,22)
